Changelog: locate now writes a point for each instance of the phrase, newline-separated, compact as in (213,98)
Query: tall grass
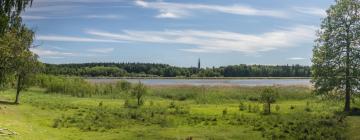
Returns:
(223,94)
(78,87)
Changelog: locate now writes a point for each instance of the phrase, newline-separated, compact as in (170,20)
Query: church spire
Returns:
(199,64)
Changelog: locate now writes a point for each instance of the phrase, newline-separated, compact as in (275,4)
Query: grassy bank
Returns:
(180,112)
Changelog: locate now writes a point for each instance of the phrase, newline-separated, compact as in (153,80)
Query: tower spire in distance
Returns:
(199,64)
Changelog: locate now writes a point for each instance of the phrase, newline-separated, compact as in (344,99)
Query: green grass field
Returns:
(179,113)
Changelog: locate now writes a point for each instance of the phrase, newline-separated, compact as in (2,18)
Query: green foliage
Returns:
(163,70)
(295,126)
(277,108)
(106,117)
(242,106)
(17,62)
(224,112)
(256,108)
(219,94)
(268,96)
(79,87)
(308,108)
(250,108)
(138,92)
(292,107)
(336,60)
(123,85)
(10,11)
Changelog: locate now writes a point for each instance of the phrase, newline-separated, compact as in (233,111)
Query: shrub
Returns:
(249,108)
(138,92)
(172,104)
(256,108)
(268,96)
(224,112)
(123,85)
(292,107)
(307,107)
(277,108)
(242,106)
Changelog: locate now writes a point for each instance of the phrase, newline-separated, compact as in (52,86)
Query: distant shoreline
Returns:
(192,78)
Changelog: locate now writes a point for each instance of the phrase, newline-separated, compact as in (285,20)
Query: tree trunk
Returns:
(347,78)
(138,101)
(18,89)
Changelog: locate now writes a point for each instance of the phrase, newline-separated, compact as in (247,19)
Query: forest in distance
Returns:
(165,70)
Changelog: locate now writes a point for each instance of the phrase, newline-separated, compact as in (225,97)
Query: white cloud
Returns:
(102,17)
(72,39)
(168,15)
(311,11)
(80,1)
(34,17)
(28,17)
(296,58)
(102,50)
(49,53)
(219,41)
(171,10)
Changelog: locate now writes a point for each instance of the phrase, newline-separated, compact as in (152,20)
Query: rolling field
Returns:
(179,112)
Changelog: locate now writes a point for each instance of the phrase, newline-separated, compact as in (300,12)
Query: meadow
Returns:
(70,108)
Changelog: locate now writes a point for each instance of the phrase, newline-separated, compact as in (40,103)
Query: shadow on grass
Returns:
(7,103)
(355,112)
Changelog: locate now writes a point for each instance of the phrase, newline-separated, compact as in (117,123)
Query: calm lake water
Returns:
(211,82)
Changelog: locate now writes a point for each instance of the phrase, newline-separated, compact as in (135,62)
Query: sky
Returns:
(176,32)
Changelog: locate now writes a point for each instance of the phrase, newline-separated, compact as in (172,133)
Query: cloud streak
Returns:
(311,11)
(49,53)
(178,10)
(218,41)
(296,58)
(102,50)
(36,17)
(73,39)
(102,17)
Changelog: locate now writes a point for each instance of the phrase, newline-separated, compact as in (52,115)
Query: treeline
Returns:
(164,70)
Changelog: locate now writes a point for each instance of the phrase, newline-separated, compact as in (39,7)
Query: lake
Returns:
(211,82)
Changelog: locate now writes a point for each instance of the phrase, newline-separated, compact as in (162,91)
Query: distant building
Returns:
(199,64)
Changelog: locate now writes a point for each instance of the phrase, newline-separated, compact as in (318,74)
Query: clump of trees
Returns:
(17,62)
(336,61)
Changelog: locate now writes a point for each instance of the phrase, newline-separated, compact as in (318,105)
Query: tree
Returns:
(25,73)
(336,55)
(138,92)
(10,11)
(21,62)
(268,96)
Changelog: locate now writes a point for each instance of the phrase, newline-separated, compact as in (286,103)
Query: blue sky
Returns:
(176,32)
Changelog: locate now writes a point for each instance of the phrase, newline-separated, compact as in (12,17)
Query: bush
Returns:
(138,92)
(242,106)
(268,96)
(256,109)
(224,112)
(277,108)
(292,107)
(123,85)
(249,108)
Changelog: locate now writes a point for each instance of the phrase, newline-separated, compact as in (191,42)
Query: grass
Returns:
(177,113)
